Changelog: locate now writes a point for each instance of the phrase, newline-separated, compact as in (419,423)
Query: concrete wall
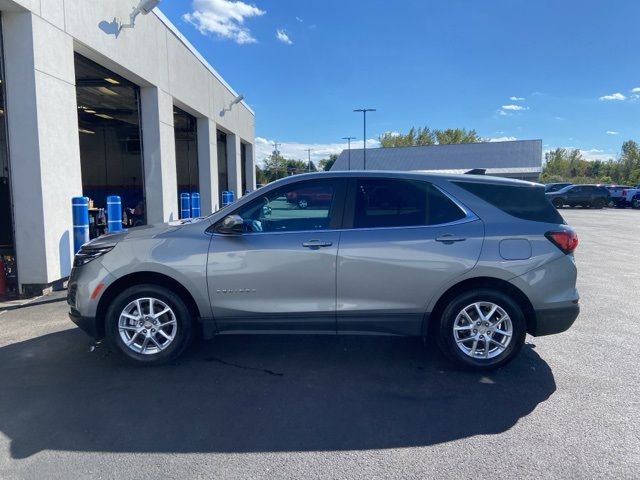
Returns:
(40,38)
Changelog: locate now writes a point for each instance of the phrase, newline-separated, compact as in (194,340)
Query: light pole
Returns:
(275,152)
(348,139)
(308,150)
(364,137)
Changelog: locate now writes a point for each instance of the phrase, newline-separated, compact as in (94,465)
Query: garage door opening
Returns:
(223,176)
(110,142)
(185,127)
(8,275)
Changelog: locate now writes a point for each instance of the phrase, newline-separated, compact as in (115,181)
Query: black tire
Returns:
(184,325)
(599,203)
(635,203)
(558,203)
(447,341)
(303,203)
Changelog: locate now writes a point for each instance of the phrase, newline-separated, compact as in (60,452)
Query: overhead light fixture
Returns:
(144,7)
(107,91)
(112,81)
(89,111)
(88,132)
(235,101)
(104,115)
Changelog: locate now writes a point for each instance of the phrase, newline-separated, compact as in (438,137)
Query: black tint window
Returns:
(401,203)
(521,201)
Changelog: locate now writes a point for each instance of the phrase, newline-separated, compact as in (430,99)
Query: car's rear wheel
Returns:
(599,203)
(303,203)
(635,203)
(482,329)
(149,324)
(558,202)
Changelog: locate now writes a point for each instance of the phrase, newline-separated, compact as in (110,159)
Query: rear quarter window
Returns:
(527,202)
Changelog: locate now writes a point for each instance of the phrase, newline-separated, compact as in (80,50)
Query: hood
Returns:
(145,231)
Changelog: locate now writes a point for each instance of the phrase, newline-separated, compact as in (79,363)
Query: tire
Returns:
(599,203)
(177,323)
(635,203)
(449,340)
(303,203)
(558,202)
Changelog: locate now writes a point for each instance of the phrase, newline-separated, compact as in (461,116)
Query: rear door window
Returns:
(527,202)
(383,202)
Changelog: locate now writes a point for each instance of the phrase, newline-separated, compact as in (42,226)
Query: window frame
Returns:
(336,211)
(350,206)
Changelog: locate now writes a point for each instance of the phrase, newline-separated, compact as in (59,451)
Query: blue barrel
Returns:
(195,205)
(114,214)
(232,196)
(80,212)
(226,198)
(185,205)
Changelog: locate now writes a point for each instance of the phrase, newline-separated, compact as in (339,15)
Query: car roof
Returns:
(415,175)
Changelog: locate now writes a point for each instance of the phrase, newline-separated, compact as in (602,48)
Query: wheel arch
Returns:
(138,278)
(477,283)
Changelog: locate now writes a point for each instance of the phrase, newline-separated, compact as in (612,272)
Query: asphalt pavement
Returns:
(337,407)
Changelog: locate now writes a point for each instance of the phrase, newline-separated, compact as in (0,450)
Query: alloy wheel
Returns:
(147,325)
(482,330)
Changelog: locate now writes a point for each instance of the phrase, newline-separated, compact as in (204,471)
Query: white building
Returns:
(90,110)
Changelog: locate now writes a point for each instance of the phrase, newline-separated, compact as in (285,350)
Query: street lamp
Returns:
(275,152)
(348,139)
(364,138)
(309,153)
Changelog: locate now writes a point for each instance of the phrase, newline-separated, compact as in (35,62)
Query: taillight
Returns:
(565,240)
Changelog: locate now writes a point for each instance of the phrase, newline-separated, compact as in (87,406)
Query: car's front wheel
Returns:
(482,329)
(558,202)
(149,324)
(635,203)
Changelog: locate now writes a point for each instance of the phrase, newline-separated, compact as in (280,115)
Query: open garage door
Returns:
(110,141)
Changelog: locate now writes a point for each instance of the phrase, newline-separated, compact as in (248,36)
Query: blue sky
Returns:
(560,70)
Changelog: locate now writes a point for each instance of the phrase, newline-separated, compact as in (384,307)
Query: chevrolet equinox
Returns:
(476,261)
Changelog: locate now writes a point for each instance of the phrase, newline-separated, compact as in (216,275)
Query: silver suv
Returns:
(475,261)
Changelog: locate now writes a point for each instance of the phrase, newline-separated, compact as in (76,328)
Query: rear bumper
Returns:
(554,320)
(87,324)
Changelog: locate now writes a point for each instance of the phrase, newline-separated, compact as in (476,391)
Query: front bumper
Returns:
(554,320)
(88,324)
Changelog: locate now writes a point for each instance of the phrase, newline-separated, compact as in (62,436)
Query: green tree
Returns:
(326,163)
(426,136)
(457,135)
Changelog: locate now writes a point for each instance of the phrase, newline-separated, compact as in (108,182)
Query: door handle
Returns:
(316,244)
(449,238)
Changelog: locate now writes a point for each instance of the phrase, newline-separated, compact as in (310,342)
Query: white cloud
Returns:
(299,19)
(614,96)
(283,37)
(503,113)
(635,90)
(514,108)
(502,139)
(611,132)
(224,18)
(298,151)
(517,99)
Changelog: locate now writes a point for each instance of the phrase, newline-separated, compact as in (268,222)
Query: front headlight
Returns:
(88,253)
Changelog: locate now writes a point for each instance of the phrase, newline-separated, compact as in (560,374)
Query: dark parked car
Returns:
(596,196)
(554,187)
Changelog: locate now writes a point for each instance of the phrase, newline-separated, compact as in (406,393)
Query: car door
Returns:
(402,240)
(280,273)
(577,196)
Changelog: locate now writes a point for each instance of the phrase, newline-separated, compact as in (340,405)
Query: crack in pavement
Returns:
(243,367)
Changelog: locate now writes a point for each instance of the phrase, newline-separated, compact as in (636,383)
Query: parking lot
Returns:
(337,407)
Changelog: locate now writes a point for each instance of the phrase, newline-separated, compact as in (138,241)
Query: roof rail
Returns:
(476,171)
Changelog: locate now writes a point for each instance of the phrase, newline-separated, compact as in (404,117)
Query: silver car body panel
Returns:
(379,280)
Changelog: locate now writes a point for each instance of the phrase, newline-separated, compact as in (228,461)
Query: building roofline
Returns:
(163,18)
(408,147)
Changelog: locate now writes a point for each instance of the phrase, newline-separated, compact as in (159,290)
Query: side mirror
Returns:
(231,225)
